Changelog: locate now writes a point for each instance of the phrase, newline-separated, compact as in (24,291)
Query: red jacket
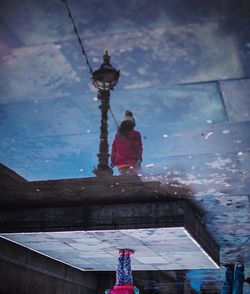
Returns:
(126,150)
(122,290)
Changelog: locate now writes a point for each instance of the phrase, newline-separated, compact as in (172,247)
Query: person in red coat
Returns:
(124,278)
(127,147)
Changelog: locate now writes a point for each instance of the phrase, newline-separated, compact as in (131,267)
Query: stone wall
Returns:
(24,271)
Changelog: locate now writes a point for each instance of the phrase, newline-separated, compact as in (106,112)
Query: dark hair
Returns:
(125,128)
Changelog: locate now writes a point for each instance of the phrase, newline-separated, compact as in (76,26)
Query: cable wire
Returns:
(78,36)
(84,52)
(116,123)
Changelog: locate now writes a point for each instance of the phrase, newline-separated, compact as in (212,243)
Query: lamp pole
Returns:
(103,167)
(104,79)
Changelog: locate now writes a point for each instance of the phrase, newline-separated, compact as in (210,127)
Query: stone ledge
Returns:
(161,214)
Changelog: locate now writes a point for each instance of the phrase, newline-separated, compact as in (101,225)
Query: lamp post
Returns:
(104,79)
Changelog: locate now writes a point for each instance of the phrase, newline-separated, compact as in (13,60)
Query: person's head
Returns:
(128,119)
(127,124)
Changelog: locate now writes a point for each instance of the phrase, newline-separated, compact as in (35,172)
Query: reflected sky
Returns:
(184,75)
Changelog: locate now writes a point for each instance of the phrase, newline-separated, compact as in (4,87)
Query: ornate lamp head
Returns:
(106,77)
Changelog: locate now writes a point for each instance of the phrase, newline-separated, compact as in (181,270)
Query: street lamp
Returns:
(104,79)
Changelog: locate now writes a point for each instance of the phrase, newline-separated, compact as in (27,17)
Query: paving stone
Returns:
(236,98)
